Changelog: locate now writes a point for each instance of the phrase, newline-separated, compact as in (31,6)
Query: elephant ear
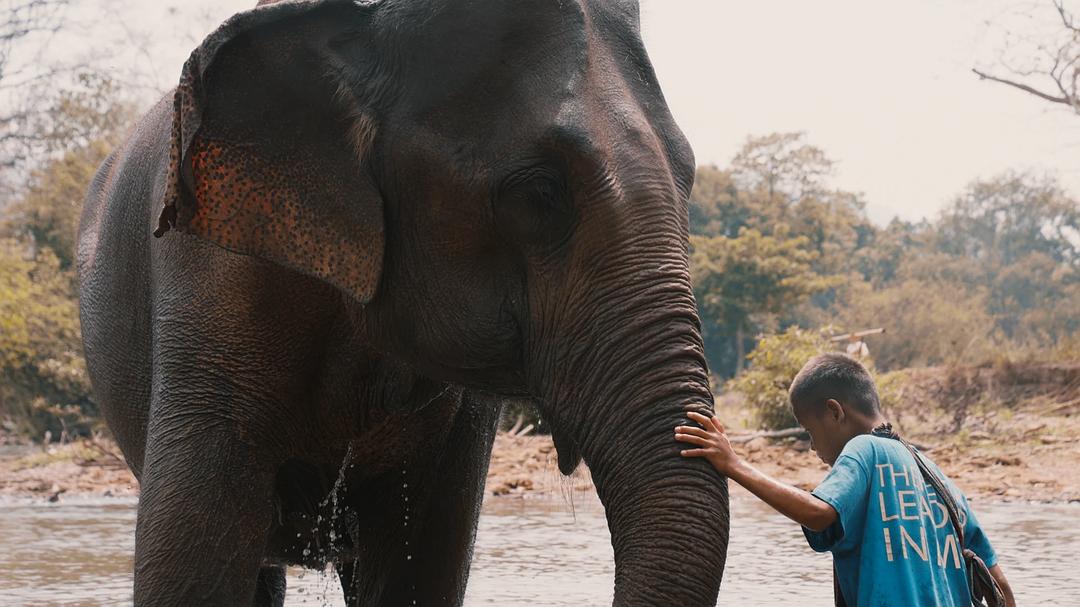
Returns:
(269,147)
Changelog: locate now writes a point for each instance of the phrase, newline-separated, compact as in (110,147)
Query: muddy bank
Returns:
(84,468)
(1035,462)
(520,465)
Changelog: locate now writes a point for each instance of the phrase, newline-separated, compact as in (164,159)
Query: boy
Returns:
(891,538)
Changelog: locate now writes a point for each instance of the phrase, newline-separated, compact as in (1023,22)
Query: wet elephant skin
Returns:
(315,269)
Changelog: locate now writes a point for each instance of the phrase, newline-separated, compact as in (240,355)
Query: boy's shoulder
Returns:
(868,448)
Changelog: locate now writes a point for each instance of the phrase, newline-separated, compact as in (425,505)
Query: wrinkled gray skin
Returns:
(380,219)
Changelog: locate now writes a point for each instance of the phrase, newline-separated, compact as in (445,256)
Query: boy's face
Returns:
(826,425)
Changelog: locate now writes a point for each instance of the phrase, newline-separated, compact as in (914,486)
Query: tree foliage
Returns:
(1005,218)
(41,362)
(44,382)
(927,322)
(48,212)
(769,235)
(775,245)
(746,282)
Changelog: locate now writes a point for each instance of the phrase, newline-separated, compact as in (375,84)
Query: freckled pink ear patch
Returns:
(242,203)
(295,209)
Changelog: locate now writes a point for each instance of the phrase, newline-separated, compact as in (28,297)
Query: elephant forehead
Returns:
(520,67)
(497,52)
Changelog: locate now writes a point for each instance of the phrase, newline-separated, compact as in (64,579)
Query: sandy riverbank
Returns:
(1039,465)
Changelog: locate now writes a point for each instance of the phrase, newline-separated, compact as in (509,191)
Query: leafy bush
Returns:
(43,381)
(929,323)
(773,365)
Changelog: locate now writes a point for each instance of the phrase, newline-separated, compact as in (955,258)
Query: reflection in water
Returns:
(535,552)
(66,554)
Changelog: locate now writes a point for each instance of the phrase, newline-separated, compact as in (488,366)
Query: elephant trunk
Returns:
(669,530)
(639,374)
(668,515)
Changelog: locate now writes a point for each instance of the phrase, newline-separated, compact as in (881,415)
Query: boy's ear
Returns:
(834,410)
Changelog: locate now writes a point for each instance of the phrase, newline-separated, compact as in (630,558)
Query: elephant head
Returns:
(503,188)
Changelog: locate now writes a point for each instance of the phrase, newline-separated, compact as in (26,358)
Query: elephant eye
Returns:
(533,207)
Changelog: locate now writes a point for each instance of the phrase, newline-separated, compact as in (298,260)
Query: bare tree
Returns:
(25,30)
(1054,73)
(23,18)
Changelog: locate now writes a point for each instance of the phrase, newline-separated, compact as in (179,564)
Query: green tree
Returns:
(41,363)
(779,183)
(1000,220)
(888,249)
(1016,237)
(1034,300)
(927,322)
(716,205)
(777,186)
(745,283)
(781,166)
(44,383)
(48,213)
(80,129)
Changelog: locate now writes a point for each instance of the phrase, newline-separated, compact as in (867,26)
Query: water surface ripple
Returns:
(541,553)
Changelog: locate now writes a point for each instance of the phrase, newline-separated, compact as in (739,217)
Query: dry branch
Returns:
(787,433)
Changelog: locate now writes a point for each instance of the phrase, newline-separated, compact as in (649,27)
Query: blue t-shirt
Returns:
(893,543)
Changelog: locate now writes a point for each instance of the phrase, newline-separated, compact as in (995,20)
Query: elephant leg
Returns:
(348,574)
(425,559)
(205,512)
(270,587)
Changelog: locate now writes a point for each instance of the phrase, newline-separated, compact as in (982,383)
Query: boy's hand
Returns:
(796,504)
(711,441)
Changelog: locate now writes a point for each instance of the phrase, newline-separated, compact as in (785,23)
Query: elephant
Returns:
(314,270)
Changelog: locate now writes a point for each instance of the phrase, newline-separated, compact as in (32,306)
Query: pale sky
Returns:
(884,88)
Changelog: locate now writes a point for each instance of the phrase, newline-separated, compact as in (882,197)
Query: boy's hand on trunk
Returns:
(711,442)
(713,445)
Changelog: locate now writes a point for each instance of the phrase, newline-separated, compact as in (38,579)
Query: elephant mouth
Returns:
(569,454)
(314,524)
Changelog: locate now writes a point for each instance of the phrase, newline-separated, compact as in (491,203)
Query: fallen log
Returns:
(786,433)
(736,439)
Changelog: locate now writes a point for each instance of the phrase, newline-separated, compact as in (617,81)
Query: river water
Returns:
(541,553)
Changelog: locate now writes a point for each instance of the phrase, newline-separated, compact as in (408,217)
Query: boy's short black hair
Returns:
(837,376)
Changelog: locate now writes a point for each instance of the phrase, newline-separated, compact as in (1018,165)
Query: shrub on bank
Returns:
(773,365)
(44,387)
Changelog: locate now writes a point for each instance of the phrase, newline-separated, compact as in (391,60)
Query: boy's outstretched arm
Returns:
(1006,589)
(794,503)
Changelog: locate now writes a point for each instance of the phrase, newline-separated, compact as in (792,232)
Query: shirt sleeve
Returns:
(846,488)
(974,537)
